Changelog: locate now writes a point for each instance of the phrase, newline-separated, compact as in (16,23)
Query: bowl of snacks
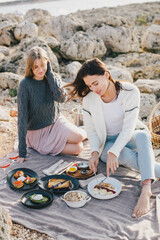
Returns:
(83,166)
(76,199)
(72,169)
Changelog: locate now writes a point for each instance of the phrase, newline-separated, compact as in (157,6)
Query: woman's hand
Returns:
(20,160)
(112,163)
(93,161)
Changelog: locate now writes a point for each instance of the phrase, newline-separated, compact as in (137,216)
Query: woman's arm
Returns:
(22,118)
(55,83)
(131,106)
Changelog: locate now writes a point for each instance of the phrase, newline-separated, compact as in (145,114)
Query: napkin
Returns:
(51,170)
(84,183)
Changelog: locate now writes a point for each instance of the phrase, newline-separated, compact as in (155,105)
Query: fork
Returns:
(103,180)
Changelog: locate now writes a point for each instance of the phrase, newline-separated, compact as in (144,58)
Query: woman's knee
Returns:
(75,137)
(78,148)
(142,137)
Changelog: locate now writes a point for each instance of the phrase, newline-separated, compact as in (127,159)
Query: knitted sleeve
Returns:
(22,118)
(131,103)
(55,83)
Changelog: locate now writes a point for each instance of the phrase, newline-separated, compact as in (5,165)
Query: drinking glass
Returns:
(4,164)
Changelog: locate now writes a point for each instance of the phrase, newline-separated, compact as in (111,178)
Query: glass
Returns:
(4,164)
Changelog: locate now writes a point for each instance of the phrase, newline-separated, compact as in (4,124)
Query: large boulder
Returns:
(82,46)
(25,29)
(72,70)
(5,224)
(9,80)
(41,18)
(7,33)
(148,102)
(53,43)
(118,39)
(141,65)
(64,27)
(120,73)
(151,39)
(149,86)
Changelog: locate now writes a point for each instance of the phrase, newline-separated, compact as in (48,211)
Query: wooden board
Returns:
(78,174)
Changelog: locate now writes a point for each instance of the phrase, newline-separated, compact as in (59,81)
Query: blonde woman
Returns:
(40,124)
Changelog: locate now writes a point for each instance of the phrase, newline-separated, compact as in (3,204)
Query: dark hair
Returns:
(90,67)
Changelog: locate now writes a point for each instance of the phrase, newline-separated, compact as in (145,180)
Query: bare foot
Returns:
(143,204)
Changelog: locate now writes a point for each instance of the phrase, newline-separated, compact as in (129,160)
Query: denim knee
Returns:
(142,137)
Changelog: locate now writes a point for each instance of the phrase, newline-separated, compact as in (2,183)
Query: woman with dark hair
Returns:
(116,136)
(40,123)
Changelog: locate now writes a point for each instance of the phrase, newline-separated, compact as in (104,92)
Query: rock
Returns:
(37,16)
(157,20)
(9,80)
(118,39)
(149,86)
(2,57)
(25,29)
(151,39)
(4,50)
(53,43)
(82,46)
(72,70)
(148,102)
(41,18)
(120,73)
(141,65)
(99,17)
(5,224)
(64,27)
(6,33)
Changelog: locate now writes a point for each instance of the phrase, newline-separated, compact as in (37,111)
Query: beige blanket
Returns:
(97,220)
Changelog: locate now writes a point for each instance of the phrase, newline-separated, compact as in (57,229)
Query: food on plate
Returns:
(18,184)
(29,179)
(74,196)
(22,178)
(104,189)
(72,169)
(38,198)
(18,174)
(58,183)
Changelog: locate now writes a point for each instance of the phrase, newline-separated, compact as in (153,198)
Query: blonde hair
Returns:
(34,53)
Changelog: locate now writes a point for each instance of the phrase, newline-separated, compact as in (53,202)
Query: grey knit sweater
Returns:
(38,105)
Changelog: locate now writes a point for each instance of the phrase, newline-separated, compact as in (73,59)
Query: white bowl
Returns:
(76,204)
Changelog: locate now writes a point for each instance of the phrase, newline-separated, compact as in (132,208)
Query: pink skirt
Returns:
(51,139)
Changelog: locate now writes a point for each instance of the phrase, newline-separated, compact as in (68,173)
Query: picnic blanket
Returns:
(98,219)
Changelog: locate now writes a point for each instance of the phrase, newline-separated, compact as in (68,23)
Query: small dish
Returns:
(76,199)
(72,169)
(84,171)
(83,166)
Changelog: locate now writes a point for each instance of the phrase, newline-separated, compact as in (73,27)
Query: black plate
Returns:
(27,171)
(25,199)
(43,183)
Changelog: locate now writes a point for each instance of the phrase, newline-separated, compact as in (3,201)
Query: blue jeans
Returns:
(137,154)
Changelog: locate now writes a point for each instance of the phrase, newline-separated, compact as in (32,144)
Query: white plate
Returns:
(117,184)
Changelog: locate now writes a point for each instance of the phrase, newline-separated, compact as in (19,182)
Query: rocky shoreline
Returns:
(126,38)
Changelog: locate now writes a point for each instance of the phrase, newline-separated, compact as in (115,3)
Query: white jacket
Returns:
(95,124)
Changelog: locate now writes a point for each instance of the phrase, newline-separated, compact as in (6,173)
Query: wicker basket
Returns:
(154,127)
